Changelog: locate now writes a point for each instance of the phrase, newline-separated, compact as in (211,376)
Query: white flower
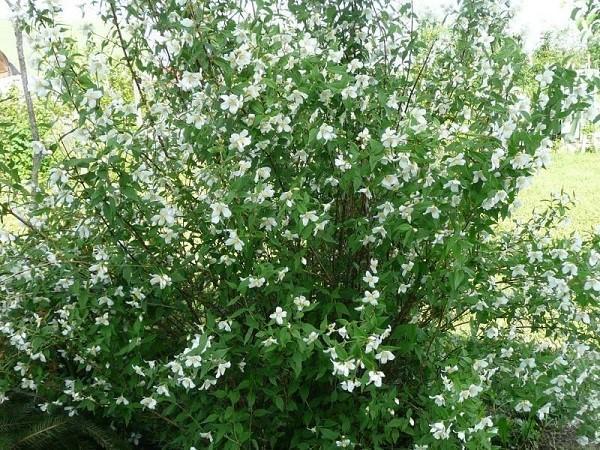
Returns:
(206,436)
(166,216)
(326,133)
(569,268)
(373,343)
(190,80)
(391,139)
(281,273)
(256,282)
(163,390)
(473,391)
(266,192)
(278,315)
(308,46)
(243,167)
(162,280)
(102,320)
(98,65)
(221,368)
(458,160)
(262,173)
(105,301)
(385,356)
(326,96)
(371,297)
(418,114)
(343,368)
(187,383)
(438,399)
(28,383)
(207,384)
(343,443)
(594,258)
(188,23)
(370,279)
(309,216)
(523,406)
(148,402)
(252,91)
(234,241)
(219,210)
(544,411)
(120,400)
(349,92)
(390,182)
(545,78)
(232,103)
(521,161)
(269,341)
(282,123)
(335,56)
(240,57)
(355,65)
(592,283)
(392,101)
(91,97)
(492,332)
(434,211)
(484,423)
(364,135)
(320,227)
(224,325)
(341,163)
(453,185)
(193,361)
(312,337)
(239,141)
(40,149)
(376,378)
(268,223)
(301,302)
(350,385)
(439,430)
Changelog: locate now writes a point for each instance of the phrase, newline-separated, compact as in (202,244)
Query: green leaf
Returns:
(279,403)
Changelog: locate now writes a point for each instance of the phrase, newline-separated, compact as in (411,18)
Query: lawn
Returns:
(578,174)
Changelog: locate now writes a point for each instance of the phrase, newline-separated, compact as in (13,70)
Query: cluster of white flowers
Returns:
(307,209)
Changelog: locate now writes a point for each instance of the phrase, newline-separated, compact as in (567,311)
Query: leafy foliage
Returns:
(287,238)
(24,427)
(15,134)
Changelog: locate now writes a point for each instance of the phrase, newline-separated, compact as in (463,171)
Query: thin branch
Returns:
(35,135)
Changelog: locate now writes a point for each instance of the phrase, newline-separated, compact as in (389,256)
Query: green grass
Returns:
(578,174)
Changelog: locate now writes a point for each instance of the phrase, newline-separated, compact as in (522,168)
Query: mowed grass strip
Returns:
(578,174)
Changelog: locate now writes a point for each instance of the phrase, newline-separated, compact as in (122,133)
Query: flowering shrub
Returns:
(288,239)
